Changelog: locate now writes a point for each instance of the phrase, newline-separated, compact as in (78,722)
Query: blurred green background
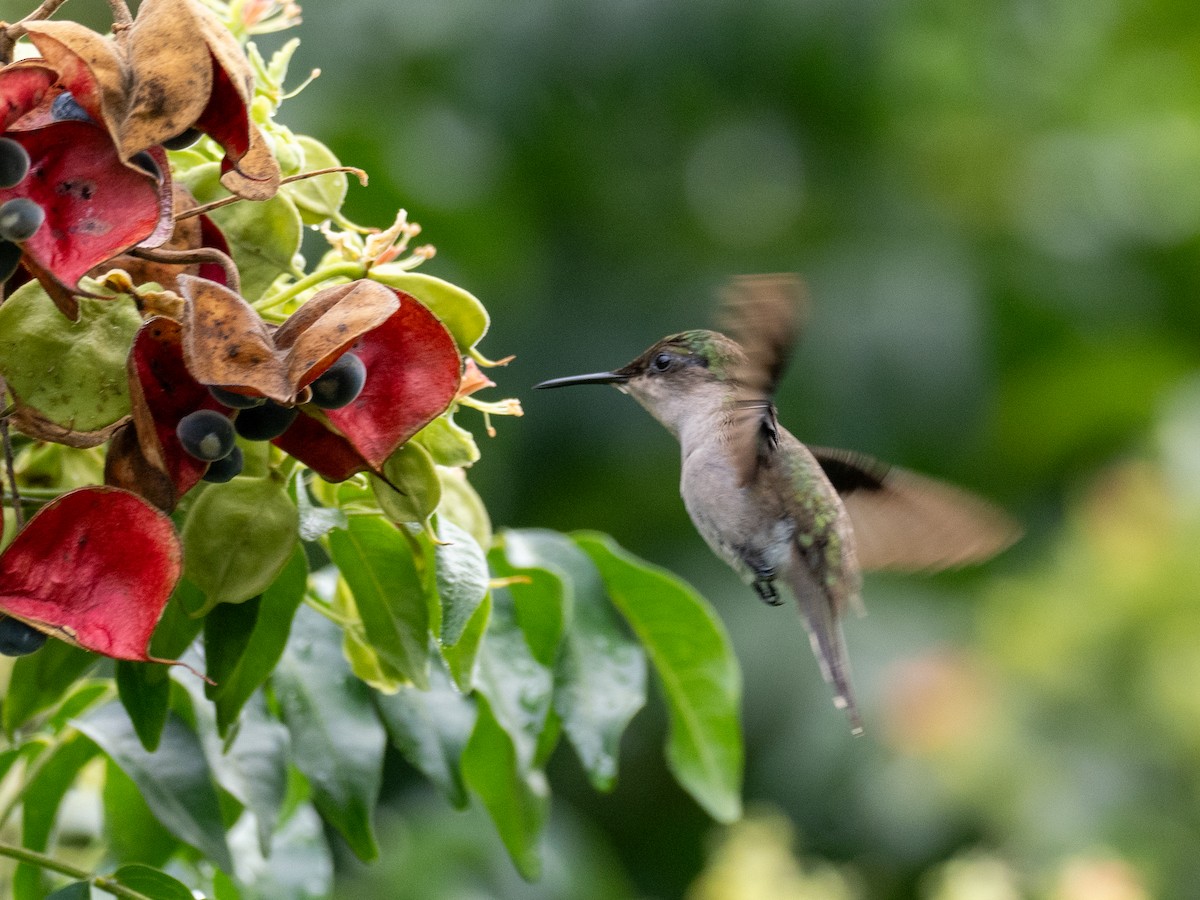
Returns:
(997,206)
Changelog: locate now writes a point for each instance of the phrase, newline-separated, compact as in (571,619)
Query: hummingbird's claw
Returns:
(765,588)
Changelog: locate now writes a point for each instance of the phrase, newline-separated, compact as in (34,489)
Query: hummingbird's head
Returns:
(677,378)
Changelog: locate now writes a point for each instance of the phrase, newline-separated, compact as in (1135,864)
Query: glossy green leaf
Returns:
(41,679)
(73,373)
(462,505)
(227,630)
(175,780)
(337,739)
(460,311)
(40,802)
(299,866)
(516,798)
(463,657)
(462,579)
(448,443)
(315,521)
(265,643)
(601,670)
(134,834)
(76,890)
(410,489)
(152,883)
(319,198)
(542,597)
(376,561)
(145,688)
(517,686)
(237,538)
(431,728)
(696,667)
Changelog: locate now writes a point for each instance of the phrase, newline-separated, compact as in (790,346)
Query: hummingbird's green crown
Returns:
(698,347)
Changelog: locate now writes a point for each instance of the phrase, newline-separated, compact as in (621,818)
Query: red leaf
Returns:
(95,205)
(94,567)
(22,87)
(413,373)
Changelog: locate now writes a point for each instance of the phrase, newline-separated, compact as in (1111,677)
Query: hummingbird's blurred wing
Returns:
(905,522)
(763,314)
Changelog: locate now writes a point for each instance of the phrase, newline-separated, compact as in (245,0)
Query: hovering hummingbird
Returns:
(774,509)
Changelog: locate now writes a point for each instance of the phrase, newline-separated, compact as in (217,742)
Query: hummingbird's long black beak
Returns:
(593,378)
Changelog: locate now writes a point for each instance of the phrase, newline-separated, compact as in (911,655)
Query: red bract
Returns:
(95,206)
(146,456)
(413,373)
(95,568)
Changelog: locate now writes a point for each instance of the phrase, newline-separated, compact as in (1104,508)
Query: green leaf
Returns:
(337,740)
(542,598)
(39,681)
(73,373)
(462,579)
(448,443)
(517,799)
(134,834)
(463,657)
(410,490)
(431,728)
(265,643)
(238,537)
(175,780)
(517,686)
(299,866)
(376,561)
(76,890)
(696,667)
(40,802)
(315,521)
(145,688)
(460,311)
(227,630)
(152,883)
(264,236)
(462,506)
(601,672)
(319,198)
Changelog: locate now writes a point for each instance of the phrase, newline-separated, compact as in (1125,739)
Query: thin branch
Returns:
(122,18)
(14,32)
(42,861)
(191,257)
(234,198)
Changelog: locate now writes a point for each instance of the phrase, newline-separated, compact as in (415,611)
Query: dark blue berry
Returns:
(223,470)
(19,639)
(206,434)
(262,423)
(233,399)
(20,218)
(14,163)
(10,258)
(66,107)
(183,139)
(340,384)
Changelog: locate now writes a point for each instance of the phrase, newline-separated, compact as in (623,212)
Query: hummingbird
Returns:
(777,511)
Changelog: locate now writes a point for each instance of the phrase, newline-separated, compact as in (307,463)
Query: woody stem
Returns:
(120,13)
(190,257)
(234,198)
(12,33)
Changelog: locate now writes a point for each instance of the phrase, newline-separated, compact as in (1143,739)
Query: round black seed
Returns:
(223,470)
(10,258)
(14,163)
(206,434)
(234,400)
(19,639)
(65,107)
(183,139)
(340,384)
(20,218)
(262,423)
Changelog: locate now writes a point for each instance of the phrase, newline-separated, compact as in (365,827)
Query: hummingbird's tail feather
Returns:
(821,619)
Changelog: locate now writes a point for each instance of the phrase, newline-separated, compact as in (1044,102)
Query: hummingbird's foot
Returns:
(765,588)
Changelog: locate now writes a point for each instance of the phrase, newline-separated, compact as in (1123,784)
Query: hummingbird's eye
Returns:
(662,362)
